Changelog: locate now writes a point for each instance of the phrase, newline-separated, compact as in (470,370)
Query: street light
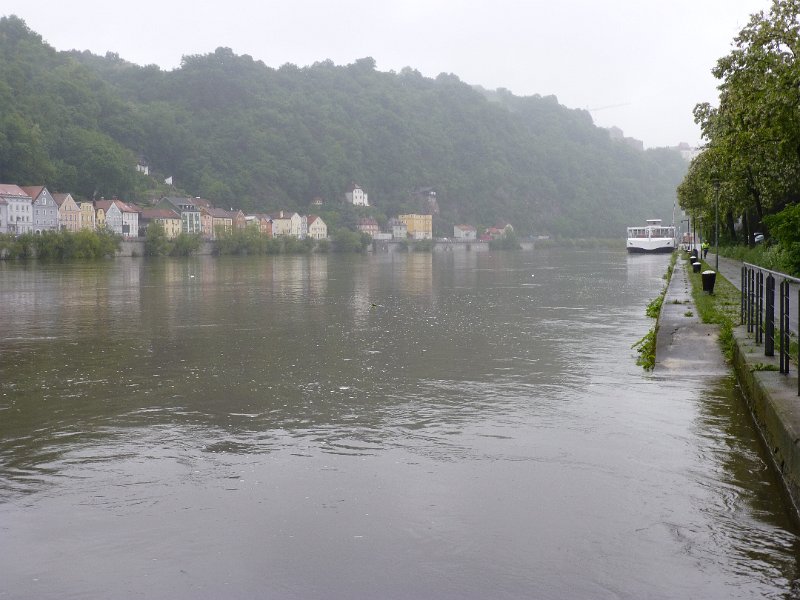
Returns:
(688,230)
(716,225)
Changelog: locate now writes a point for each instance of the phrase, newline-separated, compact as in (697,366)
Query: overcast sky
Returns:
(639,64)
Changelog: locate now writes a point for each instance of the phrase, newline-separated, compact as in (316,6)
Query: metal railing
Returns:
(758,311)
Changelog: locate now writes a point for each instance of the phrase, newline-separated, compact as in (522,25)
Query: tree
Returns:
(753,135)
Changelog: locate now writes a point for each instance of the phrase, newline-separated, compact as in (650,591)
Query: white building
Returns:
(465,233)
(130,219)
(16,210)
(317,229)
(399,229)
(356,196)
(112,215)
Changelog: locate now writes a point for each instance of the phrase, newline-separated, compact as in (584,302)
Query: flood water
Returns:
(455,425)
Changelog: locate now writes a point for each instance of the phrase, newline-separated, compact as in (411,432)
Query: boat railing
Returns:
(758,311)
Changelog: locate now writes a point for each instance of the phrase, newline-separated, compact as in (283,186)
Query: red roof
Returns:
(32,190)
(128,208)
(9,189)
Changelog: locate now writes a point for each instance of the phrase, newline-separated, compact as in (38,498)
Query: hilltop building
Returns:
(356,196)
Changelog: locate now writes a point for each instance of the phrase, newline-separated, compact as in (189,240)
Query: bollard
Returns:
(696,267)
(709,278)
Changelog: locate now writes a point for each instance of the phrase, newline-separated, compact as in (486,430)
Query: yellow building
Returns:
(169,220)
(88,216)
(420,227)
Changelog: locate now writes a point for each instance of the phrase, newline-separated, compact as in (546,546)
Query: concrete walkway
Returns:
(683,343)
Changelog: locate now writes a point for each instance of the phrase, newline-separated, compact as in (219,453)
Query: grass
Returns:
(763,255)
(721,308)
(654,307)
(646,347)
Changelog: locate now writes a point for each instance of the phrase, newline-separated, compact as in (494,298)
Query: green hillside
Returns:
(240,133)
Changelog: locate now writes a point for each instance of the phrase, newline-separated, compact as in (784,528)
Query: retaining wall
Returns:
(775,406)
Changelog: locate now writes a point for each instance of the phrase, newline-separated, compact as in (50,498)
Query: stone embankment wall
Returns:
(775,406)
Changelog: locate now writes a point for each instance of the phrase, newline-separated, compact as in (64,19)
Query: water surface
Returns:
(456,425)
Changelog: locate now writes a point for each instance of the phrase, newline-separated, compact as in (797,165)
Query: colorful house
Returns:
(317,229)
(69,213)
(45,209)
(169,220)
(88,216)
(221,222)
(109,216)
(16,210)
(420,227)
(369,226)
(189,210)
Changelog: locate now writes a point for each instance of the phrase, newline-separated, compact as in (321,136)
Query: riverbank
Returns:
(690,348)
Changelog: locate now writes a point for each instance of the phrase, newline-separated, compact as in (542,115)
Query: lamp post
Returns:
(688,230)
(716,225)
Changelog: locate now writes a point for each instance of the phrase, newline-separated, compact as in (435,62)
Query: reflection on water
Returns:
(467,425)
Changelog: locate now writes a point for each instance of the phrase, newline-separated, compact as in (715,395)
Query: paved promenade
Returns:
(684,344)
(691,349)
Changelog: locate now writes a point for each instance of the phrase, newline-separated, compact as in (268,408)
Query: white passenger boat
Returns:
(653,237)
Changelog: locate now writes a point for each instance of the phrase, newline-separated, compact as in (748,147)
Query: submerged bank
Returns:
(692,348)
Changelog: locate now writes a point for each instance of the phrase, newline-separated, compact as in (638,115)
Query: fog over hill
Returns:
(240,133)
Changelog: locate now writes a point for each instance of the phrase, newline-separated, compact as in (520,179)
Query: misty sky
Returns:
(639,64)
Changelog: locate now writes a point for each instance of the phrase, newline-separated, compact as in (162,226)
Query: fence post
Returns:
(743,289)
(769,342)
(750,297)
(760,307)
(784,326)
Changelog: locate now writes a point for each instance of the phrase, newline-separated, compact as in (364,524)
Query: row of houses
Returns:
(420,227)
(416,227)
(34,209)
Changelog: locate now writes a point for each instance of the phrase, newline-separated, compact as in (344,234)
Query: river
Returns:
(456,425)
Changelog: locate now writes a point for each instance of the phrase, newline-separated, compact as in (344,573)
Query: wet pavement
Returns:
(684,344)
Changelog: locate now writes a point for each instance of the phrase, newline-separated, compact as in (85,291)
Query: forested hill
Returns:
(235,131)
